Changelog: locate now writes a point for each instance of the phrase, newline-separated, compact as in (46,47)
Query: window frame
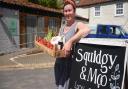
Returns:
(99,11)
(119,9)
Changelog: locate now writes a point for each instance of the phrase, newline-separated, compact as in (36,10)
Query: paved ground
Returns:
(28,59)
(27,79)
(27,69)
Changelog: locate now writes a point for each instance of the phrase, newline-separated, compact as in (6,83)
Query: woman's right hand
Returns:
(67,48)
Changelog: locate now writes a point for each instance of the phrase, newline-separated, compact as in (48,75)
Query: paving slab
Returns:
(27,59)
(39,78)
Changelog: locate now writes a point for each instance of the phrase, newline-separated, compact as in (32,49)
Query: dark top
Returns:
(63,65)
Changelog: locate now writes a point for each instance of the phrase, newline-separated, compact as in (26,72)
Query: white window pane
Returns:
(97,8)
(119,8)
(97,11)
(119,5)
(119,11)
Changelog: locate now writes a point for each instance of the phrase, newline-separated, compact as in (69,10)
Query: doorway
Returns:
(31,25)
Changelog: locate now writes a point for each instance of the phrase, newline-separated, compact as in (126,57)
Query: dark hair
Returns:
(72,2)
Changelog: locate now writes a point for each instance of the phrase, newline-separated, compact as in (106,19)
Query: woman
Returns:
(72,32)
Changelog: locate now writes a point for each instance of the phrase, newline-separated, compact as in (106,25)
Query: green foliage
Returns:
(48,3)
(60,4)
(49,35)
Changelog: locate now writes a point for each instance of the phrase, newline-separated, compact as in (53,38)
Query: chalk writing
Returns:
(98,58)
(100,79)
(97,67)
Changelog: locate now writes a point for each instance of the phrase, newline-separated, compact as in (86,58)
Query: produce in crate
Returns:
(59,41)
(45,42)
(55,40)
(49,44)
(49,35)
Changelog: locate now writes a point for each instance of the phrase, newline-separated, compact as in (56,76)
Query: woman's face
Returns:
(69,12)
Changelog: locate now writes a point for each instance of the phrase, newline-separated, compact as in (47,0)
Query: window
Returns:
(117,31)
(97,11)
(77,1)
(103,30)
(40,26)
(54,24)
(119,9)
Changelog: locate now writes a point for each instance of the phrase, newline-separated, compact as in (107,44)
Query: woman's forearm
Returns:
(81,33)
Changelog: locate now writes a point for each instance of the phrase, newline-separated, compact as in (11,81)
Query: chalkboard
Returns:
(97,67)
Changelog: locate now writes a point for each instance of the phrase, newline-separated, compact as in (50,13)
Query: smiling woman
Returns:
(72,31)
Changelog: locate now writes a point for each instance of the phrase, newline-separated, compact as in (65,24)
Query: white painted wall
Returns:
(107,15)
(83,12)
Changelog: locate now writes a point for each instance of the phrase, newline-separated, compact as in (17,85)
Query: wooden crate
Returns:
(52,52)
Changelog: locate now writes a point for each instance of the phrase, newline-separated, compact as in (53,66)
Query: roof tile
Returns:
(91,2)
(30,5)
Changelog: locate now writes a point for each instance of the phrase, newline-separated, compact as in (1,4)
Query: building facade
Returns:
(104,12)
(21,20)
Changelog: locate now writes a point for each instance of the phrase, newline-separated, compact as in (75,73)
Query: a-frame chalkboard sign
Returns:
(98,65)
